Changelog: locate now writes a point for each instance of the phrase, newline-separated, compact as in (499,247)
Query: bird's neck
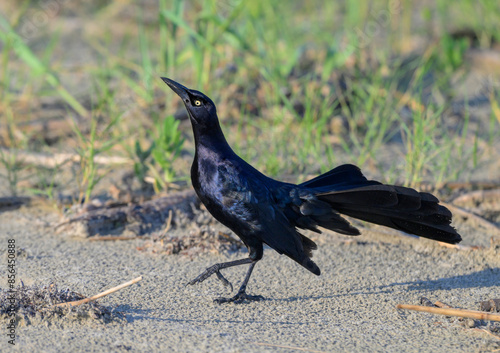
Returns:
(211,137)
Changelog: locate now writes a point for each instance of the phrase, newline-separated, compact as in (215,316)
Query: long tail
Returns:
(347,191)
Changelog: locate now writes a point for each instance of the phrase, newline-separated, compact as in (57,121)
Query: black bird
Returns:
(261,210)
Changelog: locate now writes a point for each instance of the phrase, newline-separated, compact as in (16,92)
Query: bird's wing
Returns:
(304,210)
(253,197)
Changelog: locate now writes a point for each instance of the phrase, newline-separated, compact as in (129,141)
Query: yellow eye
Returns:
(198,103)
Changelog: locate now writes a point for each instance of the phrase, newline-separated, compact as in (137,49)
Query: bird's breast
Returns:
(224,194)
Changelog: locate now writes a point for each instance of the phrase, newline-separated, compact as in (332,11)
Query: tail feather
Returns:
(343,177)
(330,220)
(372,195)
(396,207)
(431,225)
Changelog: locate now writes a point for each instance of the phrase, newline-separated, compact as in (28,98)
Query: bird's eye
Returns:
(198,103)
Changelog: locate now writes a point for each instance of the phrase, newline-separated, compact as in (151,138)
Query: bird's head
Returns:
(200,108)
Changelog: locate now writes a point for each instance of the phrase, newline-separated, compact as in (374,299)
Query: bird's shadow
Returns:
(485,278)
(489,277)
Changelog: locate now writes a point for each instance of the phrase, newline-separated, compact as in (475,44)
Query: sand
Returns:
(349,308)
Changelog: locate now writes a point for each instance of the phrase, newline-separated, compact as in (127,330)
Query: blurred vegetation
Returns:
(300,86)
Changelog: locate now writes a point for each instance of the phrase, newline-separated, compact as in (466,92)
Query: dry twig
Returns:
(488,332)
(477,195)
(290,347)
(113,237)
(464,213)
(460,246)
(100,295)
(58,159)
(169,224)
(472,314)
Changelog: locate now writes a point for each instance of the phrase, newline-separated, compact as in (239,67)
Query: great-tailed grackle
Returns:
(261,210)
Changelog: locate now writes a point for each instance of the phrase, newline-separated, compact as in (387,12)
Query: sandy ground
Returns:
(349,308)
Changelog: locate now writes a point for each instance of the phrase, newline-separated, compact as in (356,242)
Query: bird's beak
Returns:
(177,88)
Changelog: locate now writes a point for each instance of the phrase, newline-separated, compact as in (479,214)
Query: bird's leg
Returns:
(241,296)
(216,269)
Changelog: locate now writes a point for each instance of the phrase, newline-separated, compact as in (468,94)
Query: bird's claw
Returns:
(239,298)
(225,282)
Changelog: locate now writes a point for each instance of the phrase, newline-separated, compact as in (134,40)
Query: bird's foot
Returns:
(239,298)
(210,271)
